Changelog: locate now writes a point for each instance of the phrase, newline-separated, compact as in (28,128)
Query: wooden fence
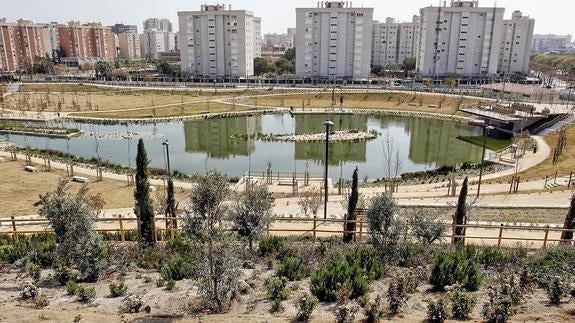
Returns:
(314,228)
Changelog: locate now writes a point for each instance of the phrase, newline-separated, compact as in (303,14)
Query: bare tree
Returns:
(425,224)
(310,201)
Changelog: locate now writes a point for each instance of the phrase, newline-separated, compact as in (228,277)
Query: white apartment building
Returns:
(393,42)
(463,39)
(51,38)
(129,45)
(160,24)
(156,41)
(291,37)
(218,42)
(515,51)
(257,37)
(333,41)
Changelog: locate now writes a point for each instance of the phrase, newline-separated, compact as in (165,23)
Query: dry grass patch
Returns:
(165,112)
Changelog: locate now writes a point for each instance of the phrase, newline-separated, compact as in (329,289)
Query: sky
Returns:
(551,16)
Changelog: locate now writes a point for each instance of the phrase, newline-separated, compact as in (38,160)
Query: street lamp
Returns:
(485,129)
(327,124)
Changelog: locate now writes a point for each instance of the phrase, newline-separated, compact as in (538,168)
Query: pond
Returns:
(404,144)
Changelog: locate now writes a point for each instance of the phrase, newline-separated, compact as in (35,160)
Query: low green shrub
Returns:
(455,267)
(177,269)
(558,288)
(368,260)
(86,294)
(64,274)
(492,257)
(437,311)
(151,258)
(374,311)
(397,295)
(277,306)
(40,248)
(292,268)
(461,302)
(305,304)
(276,288)
(71,287)
(118,289)
(338,272)
(271,245)
(34,271)
(345,313)
(170,284)
(498,308)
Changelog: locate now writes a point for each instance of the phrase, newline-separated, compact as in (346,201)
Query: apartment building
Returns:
(155,41)
(129,45)
(333,41)
(257,37)
(20,43)
(272,41)
(393,42)
(515,51)
(160,24)
(291,37)
(218,42)
(463,39)
(121,28)
(550,42)
(87,40)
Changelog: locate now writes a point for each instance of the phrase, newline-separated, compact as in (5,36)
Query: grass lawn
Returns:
(19,190)
(490,143)
(396,101)
(564,165)
(164,112)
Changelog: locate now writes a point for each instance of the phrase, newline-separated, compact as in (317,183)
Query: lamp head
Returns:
(328,123)
(166,143)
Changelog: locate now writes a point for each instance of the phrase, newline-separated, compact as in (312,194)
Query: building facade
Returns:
(160,24)
(87,40)
(333,41)
(463,39)
(291,37)
(155,41)
(129,46)
(257,37)
(218,42)
(550,42)
(515,51)
(393,42)
(121,28)
(20,43)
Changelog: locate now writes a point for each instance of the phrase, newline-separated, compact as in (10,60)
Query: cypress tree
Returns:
(171,206)
(143,206)
(460,213)
(569,224)
(351,206)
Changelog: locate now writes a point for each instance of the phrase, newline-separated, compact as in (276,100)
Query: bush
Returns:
(276,288)
(64,274)
(177,269)
(345,313)
(558,288)
(492,257)
(29,290)
(118,289)
(498,308)
(305,305)
(374,310)
(34,271)
(132,304)
(160,282)
(151,258)
(437,311)
(170,284)
(397,295)
(86,294)
(455,267)
(71,287)
(292,268)
(277,306)
(461,303)
(368,260)
(338,272)
(271,245)
(40,300)
(39,248)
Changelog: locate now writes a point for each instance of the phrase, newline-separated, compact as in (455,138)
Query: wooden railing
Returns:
(312,227)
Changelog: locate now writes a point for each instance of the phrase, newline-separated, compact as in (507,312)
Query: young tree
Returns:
(143,207)
(460,213)
(425,225)
(569,224)
(72,217)
(351,206)
(385,226)
(218,267)
(310,201)
(171,206)
(252,213)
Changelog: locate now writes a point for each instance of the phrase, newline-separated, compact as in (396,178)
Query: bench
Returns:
(287,182)
(413,104)
(433,106)
(80,179)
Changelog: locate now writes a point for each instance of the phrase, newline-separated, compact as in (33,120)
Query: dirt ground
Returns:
(176,305)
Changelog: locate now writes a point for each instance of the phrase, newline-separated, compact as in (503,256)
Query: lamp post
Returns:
(485,129)
(166,143)
(327,125)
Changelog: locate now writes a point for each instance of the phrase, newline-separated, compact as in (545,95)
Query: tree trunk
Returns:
(569,224)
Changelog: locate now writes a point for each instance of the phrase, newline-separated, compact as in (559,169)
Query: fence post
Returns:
(453,228)
(546,236)
(570,178)
(172,233)
(314,227)
(500,236)
(14,234)
(555,179)
(122,234)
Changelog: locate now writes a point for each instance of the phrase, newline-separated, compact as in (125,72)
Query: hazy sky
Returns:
(552,16)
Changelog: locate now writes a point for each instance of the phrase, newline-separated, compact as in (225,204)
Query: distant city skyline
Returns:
(552,16)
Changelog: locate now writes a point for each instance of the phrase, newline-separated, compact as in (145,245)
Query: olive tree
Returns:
(217,265)
(425,224)
(252,213)
(72,216)
(385,225)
